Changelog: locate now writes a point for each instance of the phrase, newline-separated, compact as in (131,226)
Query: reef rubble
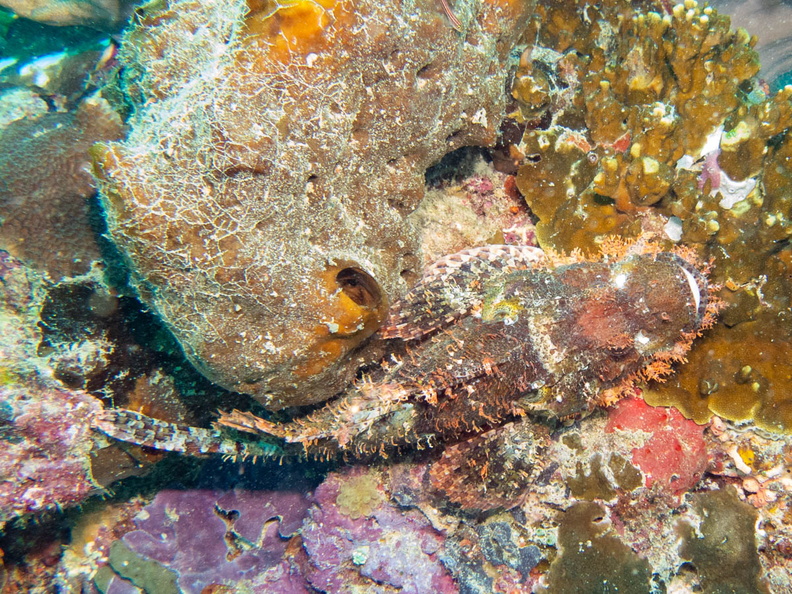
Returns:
(44,426)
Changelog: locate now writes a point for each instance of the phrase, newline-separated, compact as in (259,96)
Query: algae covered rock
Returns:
(275,151)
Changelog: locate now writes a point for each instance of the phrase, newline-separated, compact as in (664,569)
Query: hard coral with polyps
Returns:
(649,121)
(631,92)
(275,152)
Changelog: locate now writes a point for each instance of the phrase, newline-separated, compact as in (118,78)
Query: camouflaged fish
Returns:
(488,335)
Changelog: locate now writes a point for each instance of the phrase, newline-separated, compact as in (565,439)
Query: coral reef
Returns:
(47,442)
(634,98)
(651,123)
(483,208)
(493,556)
(582,497)
(277,541)
(261,195)
(359,495)
(64,347)
(579,519)
(616,530)
(20,103)
(92,534)
(770,23)
(51,114)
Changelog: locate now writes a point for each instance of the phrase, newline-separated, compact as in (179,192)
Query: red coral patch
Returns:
(675,456)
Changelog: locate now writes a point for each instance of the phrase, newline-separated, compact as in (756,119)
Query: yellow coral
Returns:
(650,95)
(359,496)
(353,308)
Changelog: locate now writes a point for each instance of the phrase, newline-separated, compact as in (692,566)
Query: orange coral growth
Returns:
(353,308)
(294,27)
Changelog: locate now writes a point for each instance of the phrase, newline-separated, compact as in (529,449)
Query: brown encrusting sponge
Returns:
(275,152)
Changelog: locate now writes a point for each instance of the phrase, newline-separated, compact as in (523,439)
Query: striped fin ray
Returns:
(136,428)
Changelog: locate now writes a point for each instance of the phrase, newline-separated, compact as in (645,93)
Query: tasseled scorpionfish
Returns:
(488,335)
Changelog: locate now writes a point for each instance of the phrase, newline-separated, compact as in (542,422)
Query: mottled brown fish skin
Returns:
(554,336)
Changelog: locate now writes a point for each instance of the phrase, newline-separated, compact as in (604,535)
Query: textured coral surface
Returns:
(262,192)
(632,497)
(46,187)
(651,123)
(583,522)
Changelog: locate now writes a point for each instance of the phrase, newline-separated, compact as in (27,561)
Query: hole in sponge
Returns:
(359,287)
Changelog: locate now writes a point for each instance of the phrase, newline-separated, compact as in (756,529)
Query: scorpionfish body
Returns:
(488,335)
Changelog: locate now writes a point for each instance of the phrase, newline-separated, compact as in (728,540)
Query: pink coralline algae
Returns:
(385,550)
(45,436)
(45,441)
(346,537)
(675,456)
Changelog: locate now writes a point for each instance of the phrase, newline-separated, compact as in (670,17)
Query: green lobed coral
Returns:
(723,546)
(593,559)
